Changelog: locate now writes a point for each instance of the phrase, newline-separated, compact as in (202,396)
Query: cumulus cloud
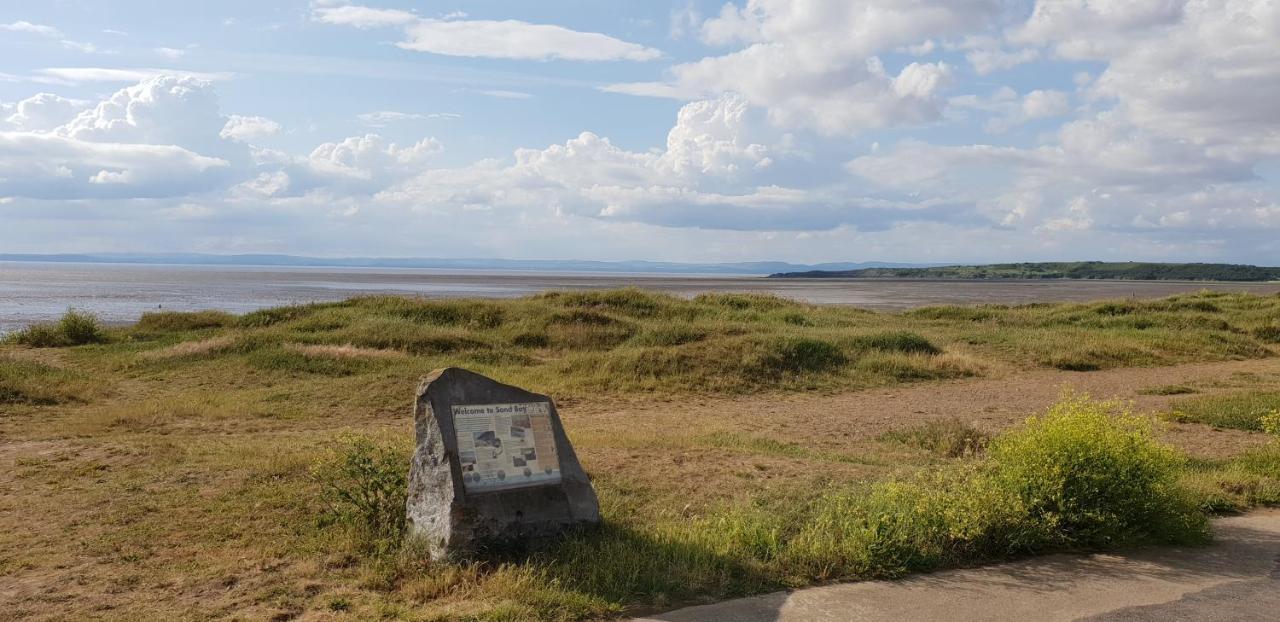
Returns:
(244,129)
(817,65)
(44,111)
(513,39)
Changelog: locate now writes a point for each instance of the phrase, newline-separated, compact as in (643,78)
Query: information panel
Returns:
(503,446)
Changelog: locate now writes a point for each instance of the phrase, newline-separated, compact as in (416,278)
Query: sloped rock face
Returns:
(492,465)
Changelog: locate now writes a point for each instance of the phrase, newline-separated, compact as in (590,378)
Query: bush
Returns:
(364,486)
(1093,475)
(74,329)
(1271,422)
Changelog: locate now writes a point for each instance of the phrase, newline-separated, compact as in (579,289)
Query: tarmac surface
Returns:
(1236,578)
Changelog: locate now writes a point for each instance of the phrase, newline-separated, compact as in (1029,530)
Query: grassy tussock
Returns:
(74,329)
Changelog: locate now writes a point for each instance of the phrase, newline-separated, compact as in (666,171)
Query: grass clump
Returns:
(75,328)
(950,438)
(1242,410)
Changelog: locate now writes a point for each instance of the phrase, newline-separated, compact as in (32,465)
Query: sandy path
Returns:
(841,420)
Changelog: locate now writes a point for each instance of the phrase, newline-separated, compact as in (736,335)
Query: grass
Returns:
(950,438)
(210,465)
(74,329)
(1085,475)
(1241,410)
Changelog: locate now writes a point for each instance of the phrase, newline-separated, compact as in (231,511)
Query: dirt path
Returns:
(835,422)
(1236,578)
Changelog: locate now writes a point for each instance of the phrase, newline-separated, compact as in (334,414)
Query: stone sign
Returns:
(492,464)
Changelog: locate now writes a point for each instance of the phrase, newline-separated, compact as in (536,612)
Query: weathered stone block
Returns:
(492,464)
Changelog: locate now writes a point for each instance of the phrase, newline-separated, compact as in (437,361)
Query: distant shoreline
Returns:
(1056,271)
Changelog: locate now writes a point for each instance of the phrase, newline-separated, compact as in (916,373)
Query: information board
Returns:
(504,446)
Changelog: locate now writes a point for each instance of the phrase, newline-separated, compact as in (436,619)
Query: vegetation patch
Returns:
(1242,410)
(177,321)
(897,341)
(74,329)
(29,382)
(950,438)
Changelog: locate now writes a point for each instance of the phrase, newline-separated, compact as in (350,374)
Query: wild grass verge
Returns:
(1084,476)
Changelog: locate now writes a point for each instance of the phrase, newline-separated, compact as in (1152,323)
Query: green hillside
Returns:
(1128,270)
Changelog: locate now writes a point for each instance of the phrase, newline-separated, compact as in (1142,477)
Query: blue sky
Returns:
(970,130)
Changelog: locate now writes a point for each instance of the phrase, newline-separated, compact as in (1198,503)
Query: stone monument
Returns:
(492,464)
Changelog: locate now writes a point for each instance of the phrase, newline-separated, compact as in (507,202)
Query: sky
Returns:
(796,130)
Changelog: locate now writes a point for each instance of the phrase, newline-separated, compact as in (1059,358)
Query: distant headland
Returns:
(1104,270)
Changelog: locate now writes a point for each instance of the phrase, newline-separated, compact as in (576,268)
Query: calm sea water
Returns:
(36,292)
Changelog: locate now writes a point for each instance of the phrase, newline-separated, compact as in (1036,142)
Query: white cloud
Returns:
(244,129)
(44,111)
(383,118)
(170,53)
(816,64)
(512,39)
(504,94)
(48,166)
(363,16)
(75,75)
(28,27)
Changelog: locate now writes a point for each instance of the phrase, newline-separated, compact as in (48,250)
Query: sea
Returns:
(32,292)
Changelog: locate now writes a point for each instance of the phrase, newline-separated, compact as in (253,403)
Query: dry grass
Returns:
(346,351)
(212,345)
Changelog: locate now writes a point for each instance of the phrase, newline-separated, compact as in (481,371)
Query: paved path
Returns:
(1235,579)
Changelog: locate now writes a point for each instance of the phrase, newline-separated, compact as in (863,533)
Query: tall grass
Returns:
(73,329)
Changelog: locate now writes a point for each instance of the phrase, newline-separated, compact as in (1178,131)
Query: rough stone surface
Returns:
(492,464)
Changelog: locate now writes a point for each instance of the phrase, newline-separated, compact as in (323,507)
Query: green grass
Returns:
(34,383)
(1241,410)
(74,329)
(628,341)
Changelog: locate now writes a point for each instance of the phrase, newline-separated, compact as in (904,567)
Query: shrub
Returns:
(73,329)
(1271,422)
(1093,475)
(364,487)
